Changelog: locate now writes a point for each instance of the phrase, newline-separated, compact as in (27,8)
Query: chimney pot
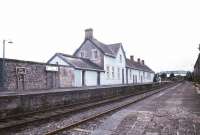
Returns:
(138,60)
(89,33)
(143,62)
(132,58)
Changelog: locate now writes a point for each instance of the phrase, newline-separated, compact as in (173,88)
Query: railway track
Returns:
(94,116)
(48,116)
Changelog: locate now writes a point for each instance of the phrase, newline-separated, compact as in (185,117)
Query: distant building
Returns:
(113,66)
(196,72)
(175,72)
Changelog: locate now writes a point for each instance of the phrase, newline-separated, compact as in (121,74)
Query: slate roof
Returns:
(107,49)
(138,66)
(79,63)
(110,50)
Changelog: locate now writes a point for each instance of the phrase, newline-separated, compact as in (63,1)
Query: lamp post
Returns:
(3,64)
(199,47)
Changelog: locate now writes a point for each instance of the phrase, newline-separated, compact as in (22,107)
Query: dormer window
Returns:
(94,54)
(120,58)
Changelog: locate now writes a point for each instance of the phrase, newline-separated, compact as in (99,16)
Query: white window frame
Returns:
(130,72)
(113,72)
(118,73)
(108,72)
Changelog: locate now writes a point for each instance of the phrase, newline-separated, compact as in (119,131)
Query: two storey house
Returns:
(110,57)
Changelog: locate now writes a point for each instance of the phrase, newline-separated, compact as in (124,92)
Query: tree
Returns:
(171,75)
(163,76)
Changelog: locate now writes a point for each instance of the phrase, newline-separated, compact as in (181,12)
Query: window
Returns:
(108,72)
(82,54)
(149,76)
(130,74)
(144,76)
(94,54)
(113,72)
(136,79)
(118,73)
(120,58)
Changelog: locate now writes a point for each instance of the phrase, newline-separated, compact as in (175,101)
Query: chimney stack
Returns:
(142,62)
(138,60)
(89,33)
(132,58)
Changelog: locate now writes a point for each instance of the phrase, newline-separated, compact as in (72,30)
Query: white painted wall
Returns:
(59,60)
(114,62)
(134,73)
(139,74)
(78,78)
(90,78)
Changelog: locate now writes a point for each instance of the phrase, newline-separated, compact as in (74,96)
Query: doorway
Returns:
(51,80)
(122,76)
(98,79)
(83,78)
(20,82)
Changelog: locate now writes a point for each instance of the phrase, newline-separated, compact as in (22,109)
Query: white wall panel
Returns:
(90,78)
(59,60)
(78,78)
(114,62)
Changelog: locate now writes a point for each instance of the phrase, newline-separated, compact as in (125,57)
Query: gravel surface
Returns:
(69,119)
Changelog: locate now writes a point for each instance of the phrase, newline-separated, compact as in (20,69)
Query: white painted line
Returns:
(82,130)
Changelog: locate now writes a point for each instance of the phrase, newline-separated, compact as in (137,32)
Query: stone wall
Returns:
(34,77)
(25,103)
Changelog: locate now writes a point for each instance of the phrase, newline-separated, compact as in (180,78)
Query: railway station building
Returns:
(109,58)
(93,64)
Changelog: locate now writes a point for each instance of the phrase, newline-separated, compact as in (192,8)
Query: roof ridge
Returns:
(72,56)
(138,65)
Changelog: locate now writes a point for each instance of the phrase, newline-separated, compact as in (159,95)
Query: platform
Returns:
(175,111)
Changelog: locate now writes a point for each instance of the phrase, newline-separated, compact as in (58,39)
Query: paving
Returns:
(175,111)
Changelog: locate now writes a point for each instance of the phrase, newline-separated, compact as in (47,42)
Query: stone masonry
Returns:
(27,75)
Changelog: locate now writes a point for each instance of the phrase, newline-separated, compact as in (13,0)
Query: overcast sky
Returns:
(165,33)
